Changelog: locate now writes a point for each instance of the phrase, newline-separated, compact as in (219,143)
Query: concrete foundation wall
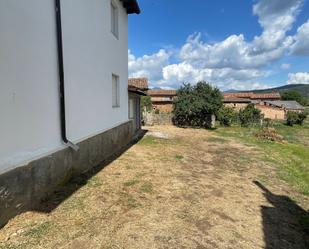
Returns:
(22,189)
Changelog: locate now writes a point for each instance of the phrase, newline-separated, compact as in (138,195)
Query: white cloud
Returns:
(233,62)
(222,77)
(298,78)
(285,66)
(276,18)
(148,65)
(234,52)
(301,45)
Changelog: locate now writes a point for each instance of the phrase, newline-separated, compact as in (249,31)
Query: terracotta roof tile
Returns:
(266,96)
(141,83)
(238,95)
(162,92)
(252,95)
(236,100)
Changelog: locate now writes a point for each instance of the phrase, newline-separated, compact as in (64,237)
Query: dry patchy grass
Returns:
(192,189)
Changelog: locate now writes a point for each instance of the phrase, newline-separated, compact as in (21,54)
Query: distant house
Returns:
(241,100)
(64,93)
(279,108)
(236,103)
(255,97)
(162,100)
(137,87)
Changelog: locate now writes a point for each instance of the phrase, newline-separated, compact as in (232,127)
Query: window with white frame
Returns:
(114,18)
(115,90)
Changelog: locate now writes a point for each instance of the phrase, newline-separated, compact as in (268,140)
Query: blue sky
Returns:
(239,44)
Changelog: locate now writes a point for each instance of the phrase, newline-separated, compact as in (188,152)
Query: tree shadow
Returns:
(285,224)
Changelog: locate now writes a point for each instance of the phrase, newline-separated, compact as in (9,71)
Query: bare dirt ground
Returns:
(176,188)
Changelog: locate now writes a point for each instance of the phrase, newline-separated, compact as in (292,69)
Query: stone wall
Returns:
(163,107)
(150,118)
(22,189)
(236,106)
(272,112)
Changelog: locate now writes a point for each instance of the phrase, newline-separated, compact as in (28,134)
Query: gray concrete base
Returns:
(23,188)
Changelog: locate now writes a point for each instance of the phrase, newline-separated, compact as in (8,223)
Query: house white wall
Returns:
(29,97)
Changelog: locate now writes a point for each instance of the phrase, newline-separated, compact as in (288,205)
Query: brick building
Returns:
(278,109)
(162,100)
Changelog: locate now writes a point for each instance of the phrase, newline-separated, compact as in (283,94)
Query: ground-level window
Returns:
(115,91)
(114,18)
(131,108)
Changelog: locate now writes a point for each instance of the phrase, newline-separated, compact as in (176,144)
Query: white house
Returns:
(63,93)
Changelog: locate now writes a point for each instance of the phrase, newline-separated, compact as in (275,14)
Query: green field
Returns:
(291,156)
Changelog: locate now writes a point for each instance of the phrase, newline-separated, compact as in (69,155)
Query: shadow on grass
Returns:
(285,224)
(196,127)
(59,195)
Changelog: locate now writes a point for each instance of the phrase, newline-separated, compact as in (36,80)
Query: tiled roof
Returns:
(286,104)
(252,95)
(141,83)
(236,100)
(238,95)
(266,96)
(162,92)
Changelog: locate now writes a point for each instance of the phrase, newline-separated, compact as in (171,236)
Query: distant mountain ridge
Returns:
(303,89)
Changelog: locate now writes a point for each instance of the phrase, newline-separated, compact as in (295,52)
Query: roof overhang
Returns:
(131,6)
(136,91)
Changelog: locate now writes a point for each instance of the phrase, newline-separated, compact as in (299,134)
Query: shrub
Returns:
(194,104)
(301,118)
(157,111)
(293,118)
(269,134)
(250,115)
(267,122)
(226,116)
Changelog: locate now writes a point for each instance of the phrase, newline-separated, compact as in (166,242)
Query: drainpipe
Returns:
(61,77)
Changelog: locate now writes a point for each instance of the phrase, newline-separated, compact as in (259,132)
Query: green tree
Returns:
(301,118)
(146,103)
(226,116)
(295,118)
(294,95)
(250,115)
(194,103)
(291,118)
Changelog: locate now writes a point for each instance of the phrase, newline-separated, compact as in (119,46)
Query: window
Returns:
(114,19)
(115,90)
(131,108)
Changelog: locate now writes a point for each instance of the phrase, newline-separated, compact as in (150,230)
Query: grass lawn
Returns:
(182,188)
(291,158)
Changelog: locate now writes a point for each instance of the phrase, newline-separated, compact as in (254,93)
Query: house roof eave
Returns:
(131,6)
(136,90)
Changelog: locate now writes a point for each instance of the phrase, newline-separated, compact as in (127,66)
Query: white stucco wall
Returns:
(29,98)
